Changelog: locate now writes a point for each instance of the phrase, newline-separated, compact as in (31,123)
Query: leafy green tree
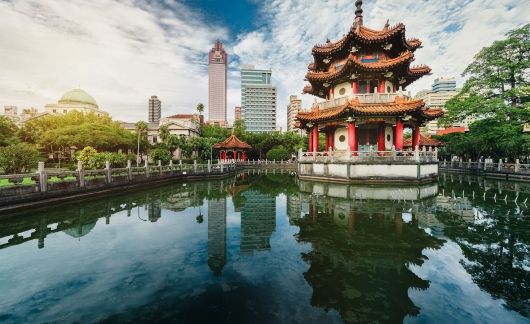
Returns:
(161,154)
(498,82)
(8,131)
(278,153)
(163,133)
(19,158)
(200,108)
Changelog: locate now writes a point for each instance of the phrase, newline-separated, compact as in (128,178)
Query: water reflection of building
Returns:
(258,221)
(154,211)
(361,252)
(217,235)
(294,207)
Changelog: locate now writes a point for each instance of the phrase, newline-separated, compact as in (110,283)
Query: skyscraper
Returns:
(237,113)
(155,110)
(258,100)
(294,106)
(217,63)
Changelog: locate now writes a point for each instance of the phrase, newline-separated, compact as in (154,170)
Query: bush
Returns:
(278,153)
(161,154)
(18,158)
(86,154)
(98,160)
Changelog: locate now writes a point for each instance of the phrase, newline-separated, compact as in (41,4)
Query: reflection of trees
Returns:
(358,263)
(496,246)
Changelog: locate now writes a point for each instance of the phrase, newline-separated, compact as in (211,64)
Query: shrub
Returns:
(98,160)
(278,153)
(86,154)
(18,158)
(161,154)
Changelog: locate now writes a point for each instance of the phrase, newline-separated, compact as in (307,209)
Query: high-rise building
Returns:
(237,113)
(293,108)
(155,109)
(444,84)
(443,89)
(258,100)
(217,67)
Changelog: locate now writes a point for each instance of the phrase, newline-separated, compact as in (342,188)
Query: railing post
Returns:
(469,163)
(129,170)
(485,164)
(417,154)
(445,163)
(108,172)
(160,167)
(209,166)
(146,165)
(180,165)
(80,174)
(299,154)
(222,165)
(393,153)
(516,168)
(43,178)
(499,167)
(459,162)
(171,166)
(436,153)
(194,166)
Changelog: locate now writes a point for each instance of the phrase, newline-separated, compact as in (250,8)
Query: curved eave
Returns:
(399,107)
(431,114)
(382,66)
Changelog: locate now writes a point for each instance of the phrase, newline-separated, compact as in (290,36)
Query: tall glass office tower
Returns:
(258,100)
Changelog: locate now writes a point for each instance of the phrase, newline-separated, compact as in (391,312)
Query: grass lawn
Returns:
(28,181)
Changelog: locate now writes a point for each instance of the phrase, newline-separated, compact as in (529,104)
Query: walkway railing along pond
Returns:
(370,156)
(487,166)
(20,186)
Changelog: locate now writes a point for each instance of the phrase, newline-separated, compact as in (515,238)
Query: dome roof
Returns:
(78,96)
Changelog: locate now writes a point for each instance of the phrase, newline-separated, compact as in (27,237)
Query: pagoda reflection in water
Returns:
(360,255)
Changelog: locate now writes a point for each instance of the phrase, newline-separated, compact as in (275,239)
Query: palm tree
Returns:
(163,132)
(200,108)
(141,131)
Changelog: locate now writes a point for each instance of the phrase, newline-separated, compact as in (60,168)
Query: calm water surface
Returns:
(270,249)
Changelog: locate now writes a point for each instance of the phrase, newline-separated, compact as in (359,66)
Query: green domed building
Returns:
(75,99)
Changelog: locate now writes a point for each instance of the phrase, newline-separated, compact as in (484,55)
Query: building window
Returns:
(154,139)
(342,138)
(342,91)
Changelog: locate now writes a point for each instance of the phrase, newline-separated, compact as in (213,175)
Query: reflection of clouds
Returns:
(452,295)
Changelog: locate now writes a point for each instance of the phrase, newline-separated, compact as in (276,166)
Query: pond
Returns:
(267,248)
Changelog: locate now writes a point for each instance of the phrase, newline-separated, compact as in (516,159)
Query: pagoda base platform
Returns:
(372,192)
(370,172)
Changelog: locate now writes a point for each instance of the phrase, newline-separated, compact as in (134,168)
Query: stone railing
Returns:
(44,183)
(364,98)
(415,156)
(487,166)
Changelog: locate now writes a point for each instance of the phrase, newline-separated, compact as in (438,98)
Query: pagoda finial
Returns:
(358,13)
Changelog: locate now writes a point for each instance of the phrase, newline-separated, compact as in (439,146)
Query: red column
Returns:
(398,138)
(352,136)
(315,138)
(381,138)
(355,87)
(330,93)
(415,137)
(381,86)
(244,157)
(310,138)
(332,139)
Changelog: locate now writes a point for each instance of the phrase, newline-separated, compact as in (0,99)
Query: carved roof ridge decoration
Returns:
(232,142)
(405,57)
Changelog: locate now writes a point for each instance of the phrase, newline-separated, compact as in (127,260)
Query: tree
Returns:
(160,154)
(498,82)
(200,108)
(163,133)
(86,154)
(278,153)
(239,128)
(18,158)
(8,131)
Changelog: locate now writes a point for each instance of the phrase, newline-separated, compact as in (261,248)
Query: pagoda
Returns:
(232,148)
(362,78)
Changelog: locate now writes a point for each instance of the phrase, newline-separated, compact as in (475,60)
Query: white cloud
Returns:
(119,52)
(452,33)
(123,52)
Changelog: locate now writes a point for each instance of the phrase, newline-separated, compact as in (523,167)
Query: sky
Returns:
(122,52)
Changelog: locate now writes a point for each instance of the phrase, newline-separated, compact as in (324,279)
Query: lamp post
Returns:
(138,152)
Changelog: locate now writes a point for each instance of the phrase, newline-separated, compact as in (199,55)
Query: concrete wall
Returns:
(369,171)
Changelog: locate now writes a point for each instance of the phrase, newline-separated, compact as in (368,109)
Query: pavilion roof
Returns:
(399,106)
(425,140)
(232,142)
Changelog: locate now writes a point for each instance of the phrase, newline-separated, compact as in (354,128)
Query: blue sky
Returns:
(124,51)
